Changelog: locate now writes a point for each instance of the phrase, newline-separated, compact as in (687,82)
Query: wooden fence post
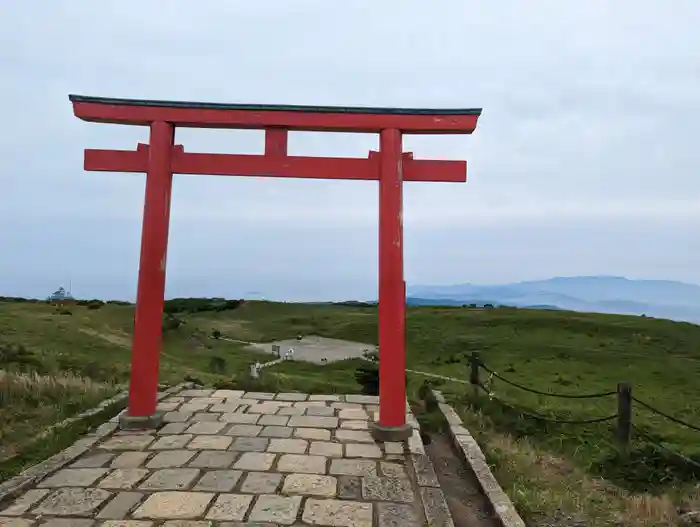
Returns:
(624,414)
(474,374)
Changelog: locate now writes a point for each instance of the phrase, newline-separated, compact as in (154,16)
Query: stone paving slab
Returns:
(228,458)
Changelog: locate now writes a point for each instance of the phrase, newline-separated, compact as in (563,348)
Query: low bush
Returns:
(171,322)
(367,376)
(217,365)
(20,359)
(198,305)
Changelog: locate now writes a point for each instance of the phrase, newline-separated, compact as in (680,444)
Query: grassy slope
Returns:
(96,343)
(557,351)
(83,358)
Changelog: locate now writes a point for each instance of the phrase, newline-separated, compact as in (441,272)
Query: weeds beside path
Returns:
(30,403)
(550,491)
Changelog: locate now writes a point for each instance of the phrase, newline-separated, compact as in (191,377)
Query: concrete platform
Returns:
(312,348)
(229,458)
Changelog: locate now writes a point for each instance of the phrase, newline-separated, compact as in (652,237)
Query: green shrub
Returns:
(367,376)
(192,378)
(197,305)
(20,359)
(217,365)
(171,322)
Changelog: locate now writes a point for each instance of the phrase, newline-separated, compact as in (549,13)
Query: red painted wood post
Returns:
(392,303)
(148,331)
(276,142)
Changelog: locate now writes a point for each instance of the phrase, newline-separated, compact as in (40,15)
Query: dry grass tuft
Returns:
(18,387)
(30,403)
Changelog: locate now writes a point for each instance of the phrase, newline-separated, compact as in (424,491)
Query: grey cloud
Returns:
(586,145)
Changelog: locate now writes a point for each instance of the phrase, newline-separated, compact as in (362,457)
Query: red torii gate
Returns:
(161,158)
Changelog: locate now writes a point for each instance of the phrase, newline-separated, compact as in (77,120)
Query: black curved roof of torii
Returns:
(276,107)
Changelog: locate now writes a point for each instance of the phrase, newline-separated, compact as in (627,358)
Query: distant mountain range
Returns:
(597,294)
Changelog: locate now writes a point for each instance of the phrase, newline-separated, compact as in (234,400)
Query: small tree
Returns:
(171,322)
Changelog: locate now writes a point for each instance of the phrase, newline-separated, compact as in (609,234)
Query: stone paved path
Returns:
(229,458)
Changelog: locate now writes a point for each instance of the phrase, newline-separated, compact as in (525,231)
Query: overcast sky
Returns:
(585,160)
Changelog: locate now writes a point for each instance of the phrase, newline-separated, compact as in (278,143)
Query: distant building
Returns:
(61,296)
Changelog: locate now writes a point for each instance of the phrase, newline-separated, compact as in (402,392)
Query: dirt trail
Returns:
(468,506)
(123,341)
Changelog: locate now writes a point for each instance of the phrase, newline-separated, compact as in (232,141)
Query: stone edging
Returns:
(437,513)
(35,473)
(470,452)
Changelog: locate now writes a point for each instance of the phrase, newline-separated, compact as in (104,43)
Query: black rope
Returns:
(664,414)
(563,396)
(532,415)
(662,447)
(480,385)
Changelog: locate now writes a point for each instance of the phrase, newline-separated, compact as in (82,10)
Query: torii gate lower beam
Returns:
(162,158)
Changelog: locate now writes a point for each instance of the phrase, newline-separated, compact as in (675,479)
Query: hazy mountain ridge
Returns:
(601,294)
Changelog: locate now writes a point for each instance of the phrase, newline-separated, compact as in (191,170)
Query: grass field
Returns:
(553,351)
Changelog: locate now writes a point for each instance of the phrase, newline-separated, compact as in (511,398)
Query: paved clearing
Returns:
(230,456)
(314,349)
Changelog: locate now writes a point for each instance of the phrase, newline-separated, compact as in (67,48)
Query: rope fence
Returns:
(623,416)
(660,446)
(667,416)
(538,392)
(526,412)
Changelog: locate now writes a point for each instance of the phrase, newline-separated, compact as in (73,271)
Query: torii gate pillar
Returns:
(392,294)
(161,158)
